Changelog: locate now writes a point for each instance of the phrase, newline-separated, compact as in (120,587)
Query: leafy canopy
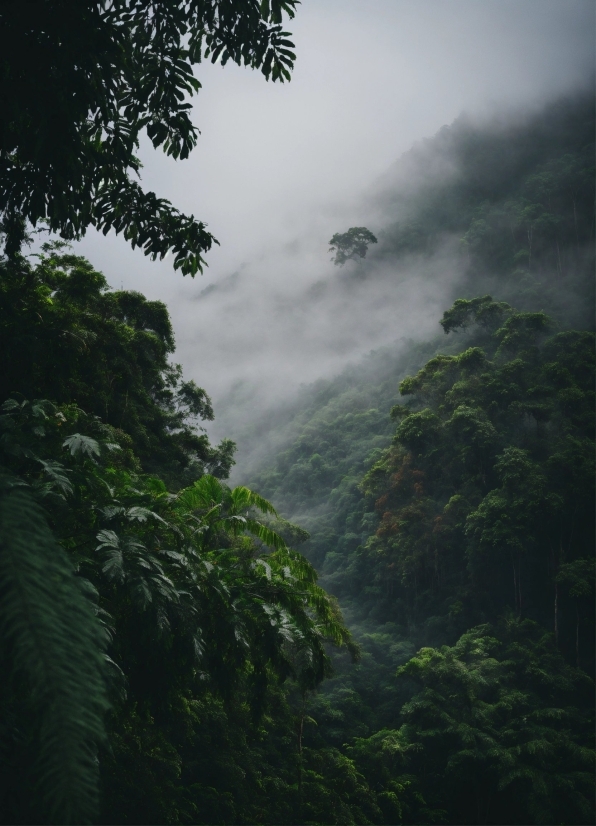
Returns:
(494,725)
(83,80)
(65,336)
(351,245)
(197,595)
(485,498)
(198,599)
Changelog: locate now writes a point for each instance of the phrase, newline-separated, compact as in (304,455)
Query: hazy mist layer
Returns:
(279,169)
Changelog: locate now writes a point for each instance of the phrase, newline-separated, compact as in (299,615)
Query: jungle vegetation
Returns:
(83,80)
(448,489)
(169,656)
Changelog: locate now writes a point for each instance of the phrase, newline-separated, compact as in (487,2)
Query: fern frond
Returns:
(83,445)
(265,534)
(204,493)
(55,644)
(243,498)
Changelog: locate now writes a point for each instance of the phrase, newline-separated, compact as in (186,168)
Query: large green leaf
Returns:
(55,645)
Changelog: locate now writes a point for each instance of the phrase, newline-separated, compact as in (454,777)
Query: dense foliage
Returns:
(82,80)
(203,610)
(169,657)
(472,529)
(351,245)
(481,511)
(107,352)
(487,492)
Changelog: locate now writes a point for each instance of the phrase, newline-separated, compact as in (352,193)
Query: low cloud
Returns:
(280,169)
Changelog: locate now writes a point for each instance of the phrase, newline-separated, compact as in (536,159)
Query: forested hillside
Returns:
(427,656)
(448,489)
(147,608)
(520,198)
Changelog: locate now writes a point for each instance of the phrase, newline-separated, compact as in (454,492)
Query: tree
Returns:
(198,600)
(66,337)
(200,606)
(82,80)
(486,494)
(351,245)
(498,739)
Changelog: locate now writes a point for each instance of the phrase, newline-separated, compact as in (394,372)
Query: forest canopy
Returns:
(83,80)
(169,655)
(181,598)
(448,488)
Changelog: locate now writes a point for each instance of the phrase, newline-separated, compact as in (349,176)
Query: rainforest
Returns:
(371,600)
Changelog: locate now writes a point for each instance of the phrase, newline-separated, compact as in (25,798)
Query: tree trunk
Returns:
(577,636)
(556,564)
(557,614)
(575,222)
(300,733)
(300,764)
(517,585)
(559,258)
(487,808)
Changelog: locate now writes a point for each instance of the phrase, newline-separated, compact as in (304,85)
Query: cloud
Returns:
(279,169)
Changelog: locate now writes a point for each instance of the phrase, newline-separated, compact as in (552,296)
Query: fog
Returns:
(280,168)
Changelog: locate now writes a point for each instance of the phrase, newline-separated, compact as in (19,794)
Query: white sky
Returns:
(280,164)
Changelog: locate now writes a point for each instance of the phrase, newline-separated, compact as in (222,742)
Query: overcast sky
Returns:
(279,168)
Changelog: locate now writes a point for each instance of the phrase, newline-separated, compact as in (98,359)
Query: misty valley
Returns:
(371,600)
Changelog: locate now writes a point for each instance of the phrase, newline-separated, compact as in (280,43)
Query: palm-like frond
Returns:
(244,498)
(204,493)
(266,535)
(83,445)
(55,644)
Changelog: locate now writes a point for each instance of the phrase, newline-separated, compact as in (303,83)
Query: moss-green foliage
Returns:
(80,85)
(53,686)
(495,724)
(484,505)
(485,509)
(65,336)
(481,509)
(205,625)
(491,733)
(487,489)
(204,609)
(453,522)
